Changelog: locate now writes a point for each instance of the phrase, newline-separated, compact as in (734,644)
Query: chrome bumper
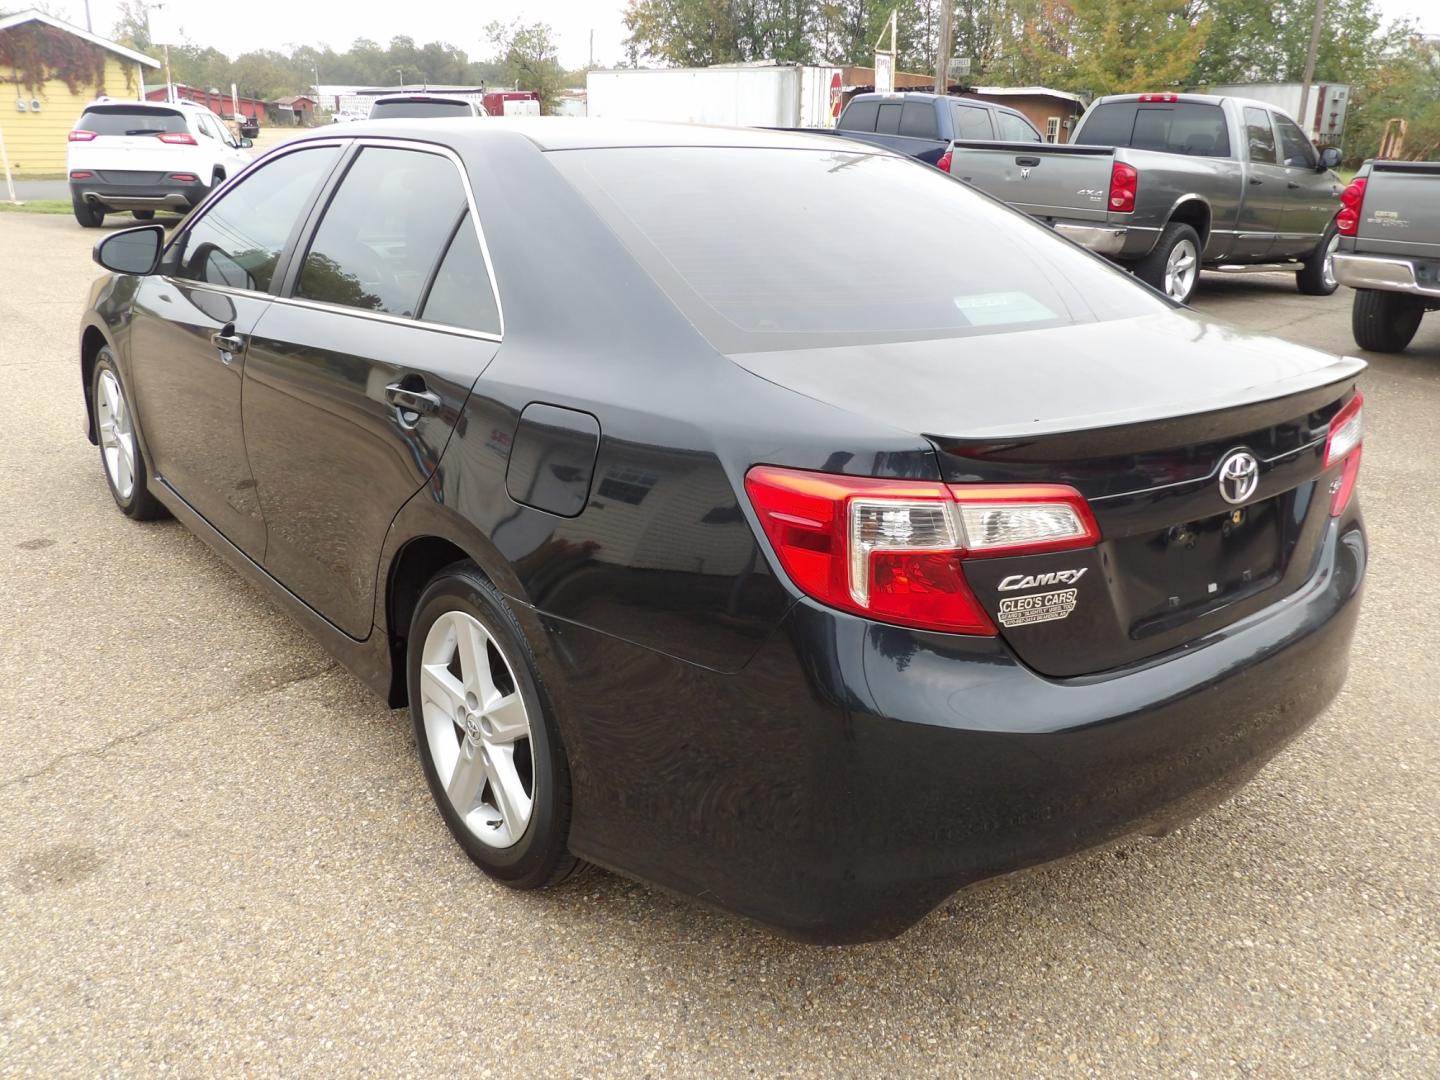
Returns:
(1103,240)
(1378,272)
(120,200)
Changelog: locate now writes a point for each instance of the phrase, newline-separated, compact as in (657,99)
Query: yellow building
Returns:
(49,72)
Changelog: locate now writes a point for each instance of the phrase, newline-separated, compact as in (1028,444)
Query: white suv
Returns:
(144,156)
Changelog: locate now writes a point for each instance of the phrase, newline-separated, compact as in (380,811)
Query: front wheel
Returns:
(486,732)
(1385,321)
(1317,274)
(125,470)
(1173,266)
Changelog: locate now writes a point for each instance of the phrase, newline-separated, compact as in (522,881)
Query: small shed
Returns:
(293,110)
(49,72)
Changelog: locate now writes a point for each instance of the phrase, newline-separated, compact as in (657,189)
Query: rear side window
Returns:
(1015,129)
(1185,127)
(118,120)
(1295,149)
(917,119)
(461,294)
(392,110)
(972,123)
(239,239)
(383,231)
(887,121)
(859,116)
(1261,136)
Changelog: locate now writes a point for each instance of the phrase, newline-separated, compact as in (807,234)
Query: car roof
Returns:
(581,133)
(421,95)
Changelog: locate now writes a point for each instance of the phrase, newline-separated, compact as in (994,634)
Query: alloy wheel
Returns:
(478,729)
(1180,270)
(117,434)
(1328,269)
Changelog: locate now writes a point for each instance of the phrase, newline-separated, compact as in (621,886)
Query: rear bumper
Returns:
(171,196)
(854,775)
(1112,241)
(1388,273)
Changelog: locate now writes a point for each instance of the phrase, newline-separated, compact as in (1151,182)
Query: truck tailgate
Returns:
(1044,181)
(1401,212)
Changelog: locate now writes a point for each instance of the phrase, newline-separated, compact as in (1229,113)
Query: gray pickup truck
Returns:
(1390,250)
(1166,184)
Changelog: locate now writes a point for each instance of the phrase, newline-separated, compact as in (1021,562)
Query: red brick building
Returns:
(214,100)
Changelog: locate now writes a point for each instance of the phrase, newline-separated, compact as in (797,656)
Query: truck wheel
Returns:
(1317,274)
(87,214)
(1385,321)
(1174,266)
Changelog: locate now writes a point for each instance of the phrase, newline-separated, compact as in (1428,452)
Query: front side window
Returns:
(239,239)
(1297,151)
(972,123)
(940,260)
(1260,135)
(1015,129)
(461,294)
(383,231)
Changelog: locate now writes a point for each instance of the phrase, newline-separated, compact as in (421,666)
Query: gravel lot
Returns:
(219,856)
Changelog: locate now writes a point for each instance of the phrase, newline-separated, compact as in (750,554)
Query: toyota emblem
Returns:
(1239,477)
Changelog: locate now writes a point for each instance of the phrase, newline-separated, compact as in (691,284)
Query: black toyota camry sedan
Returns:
(766,517)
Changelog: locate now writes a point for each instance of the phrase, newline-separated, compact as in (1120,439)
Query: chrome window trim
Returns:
(427,148)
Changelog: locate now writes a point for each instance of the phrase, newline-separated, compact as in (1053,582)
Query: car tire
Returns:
(1173,266)
(1316,276)
(473,686)
(87,214)
(121,458)
(1385,321)
(143,215)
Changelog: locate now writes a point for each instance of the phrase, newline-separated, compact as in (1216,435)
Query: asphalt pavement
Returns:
(219,856)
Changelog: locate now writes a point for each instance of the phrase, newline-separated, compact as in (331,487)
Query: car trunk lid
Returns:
(1144,433)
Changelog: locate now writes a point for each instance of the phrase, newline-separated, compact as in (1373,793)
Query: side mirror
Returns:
(1329,157)
(131,251)
(246,144)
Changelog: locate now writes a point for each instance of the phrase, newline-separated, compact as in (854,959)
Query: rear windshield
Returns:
(123,120)
(1178,127)
(776,248)
(392,110)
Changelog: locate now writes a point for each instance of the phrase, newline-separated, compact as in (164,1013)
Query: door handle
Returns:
(228,343)
(1027,161)
(415,401)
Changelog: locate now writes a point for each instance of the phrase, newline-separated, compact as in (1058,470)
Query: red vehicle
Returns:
(512,103)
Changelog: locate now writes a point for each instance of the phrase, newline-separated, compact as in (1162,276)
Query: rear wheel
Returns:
(87,214)
(486,733)
(125,470)
(1385,321)
(143,215)
(1173,266)
(1317,274)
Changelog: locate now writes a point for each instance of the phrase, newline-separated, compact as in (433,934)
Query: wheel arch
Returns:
(92,340)
(1194,211)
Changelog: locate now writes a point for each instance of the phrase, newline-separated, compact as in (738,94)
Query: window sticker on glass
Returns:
(998,309)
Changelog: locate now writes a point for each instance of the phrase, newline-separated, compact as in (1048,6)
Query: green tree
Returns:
(527,54)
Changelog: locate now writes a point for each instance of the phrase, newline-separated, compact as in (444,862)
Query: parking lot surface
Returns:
(220,858)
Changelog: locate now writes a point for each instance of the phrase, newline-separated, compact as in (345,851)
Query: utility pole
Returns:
(592,48)
(1307,116)
(88,25)
(942,61)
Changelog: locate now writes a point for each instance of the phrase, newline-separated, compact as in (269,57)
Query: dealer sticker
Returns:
(1038,608)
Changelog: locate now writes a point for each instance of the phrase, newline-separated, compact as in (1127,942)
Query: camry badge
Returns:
(1239,477)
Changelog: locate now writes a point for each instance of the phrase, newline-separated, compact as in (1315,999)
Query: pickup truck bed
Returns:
(1390,250)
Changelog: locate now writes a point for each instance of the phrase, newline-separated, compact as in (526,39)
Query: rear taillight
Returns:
(1124,180)
(177,138)
(946,159)
(1347,222)
(1344,444)
(184,177)
(80,174)
(892,550)
(80,135)
(1159,97)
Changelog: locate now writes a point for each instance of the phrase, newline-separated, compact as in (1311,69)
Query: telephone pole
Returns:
(942,61)
(1308,114)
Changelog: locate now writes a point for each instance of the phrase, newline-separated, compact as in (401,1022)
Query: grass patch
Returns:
(39,206)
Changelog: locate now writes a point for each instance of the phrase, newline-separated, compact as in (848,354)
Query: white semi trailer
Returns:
(741,95)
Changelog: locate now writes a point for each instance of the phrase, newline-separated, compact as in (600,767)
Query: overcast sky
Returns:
(258,24)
